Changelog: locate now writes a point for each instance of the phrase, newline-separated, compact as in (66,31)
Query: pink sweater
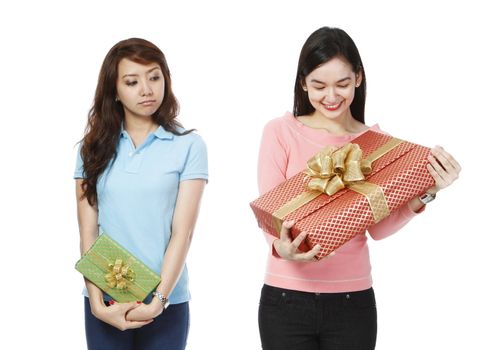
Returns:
(286,146)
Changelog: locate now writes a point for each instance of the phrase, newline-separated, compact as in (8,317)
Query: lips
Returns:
(147,102)
(332,107)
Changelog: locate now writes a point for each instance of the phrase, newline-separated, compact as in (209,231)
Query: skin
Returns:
(140,88)
(331,89)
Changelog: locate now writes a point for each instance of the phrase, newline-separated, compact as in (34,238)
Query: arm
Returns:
(88,231)
(183,223)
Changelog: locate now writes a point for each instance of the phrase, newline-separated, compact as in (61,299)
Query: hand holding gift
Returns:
(443,168)
(115,315)
(146,311)
(287,248)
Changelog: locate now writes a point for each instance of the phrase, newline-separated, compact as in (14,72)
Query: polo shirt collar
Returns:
(163,134)
(160,133)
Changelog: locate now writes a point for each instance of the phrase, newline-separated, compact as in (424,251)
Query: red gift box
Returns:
(396,172)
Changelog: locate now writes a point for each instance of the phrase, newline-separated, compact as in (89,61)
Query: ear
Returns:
(303,85)
(358,76)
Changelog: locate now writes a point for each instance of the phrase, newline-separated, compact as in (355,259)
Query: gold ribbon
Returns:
(333,169)
(120,275)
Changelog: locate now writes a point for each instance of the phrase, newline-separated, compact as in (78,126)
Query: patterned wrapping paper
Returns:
(116,271)
(331,221)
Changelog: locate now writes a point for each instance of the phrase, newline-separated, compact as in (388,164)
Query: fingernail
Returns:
(111,302)
(138,302)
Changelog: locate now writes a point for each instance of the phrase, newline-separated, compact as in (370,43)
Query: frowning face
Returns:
(140,88)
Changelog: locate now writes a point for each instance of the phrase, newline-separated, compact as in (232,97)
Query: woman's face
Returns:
(140,88)
(331,88)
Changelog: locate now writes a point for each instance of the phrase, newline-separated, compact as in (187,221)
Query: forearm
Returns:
(174,260)
(88,232)
(393,222)
(183,224)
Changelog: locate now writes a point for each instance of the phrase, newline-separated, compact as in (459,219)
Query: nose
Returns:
(331,94)
(146,89)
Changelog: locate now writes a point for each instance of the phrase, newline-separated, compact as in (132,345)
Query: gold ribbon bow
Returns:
(333,169)
(120,275)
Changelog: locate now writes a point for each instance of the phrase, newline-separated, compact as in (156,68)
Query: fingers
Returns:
(136,324)
(300,238)
(308,256)
(130,306)
(288,248)
(446,159)
(443,167)
(286,227)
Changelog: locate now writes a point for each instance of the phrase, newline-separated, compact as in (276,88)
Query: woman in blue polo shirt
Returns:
(139,178)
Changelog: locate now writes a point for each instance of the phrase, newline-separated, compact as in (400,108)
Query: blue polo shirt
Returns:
(137,194)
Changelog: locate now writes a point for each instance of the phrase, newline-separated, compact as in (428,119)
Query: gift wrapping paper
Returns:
(332,220)
(116,271)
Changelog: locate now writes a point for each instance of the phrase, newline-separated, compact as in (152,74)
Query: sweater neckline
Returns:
(321,136)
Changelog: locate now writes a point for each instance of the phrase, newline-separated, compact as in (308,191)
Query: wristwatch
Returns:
(427,197)
(163,299)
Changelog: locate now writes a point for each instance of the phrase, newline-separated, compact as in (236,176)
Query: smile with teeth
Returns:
(332,107)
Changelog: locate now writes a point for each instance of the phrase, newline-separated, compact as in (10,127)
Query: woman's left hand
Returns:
(146,311)
(443,168)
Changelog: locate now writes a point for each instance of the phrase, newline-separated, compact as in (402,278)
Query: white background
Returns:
(430,71)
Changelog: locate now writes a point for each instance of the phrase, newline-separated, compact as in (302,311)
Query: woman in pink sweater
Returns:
(327,304)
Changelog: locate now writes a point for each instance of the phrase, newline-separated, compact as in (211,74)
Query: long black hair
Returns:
(321,46)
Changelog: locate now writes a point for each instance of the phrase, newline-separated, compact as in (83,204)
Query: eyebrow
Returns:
(135,75)
(320,82)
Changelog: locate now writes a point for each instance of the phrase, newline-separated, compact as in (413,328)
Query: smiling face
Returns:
(331,88)
(140,88)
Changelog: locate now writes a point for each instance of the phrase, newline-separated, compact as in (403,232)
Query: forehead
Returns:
(335,69)
(128,67)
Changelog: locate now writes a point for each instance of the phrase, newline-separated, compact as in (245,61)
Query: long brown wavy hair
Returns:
(99,144)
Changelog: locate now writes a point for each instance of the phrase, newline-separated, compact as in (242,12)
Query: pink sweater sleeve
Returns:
(393,222)
(272,159)
(272,164)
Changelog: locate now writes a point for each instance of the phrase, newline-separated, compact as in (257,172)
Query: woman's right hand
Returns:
(288,249)
(115,315)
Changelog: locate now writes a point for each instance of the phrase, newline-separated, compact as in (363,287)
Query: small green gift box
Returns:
(116,271)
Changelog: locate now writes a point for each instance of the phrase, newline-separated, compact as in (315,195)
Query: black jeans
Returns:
(293,320)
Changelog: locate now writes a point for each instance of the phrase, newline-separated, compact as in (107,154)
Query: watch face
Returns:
(427,197)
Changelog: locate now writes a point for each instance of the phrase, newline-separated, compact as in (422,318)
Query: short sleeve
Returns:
(79,172)
(196,164)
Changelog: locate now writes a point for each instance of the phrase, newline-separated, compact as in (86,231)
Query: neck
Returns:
(342,125)
(139,128)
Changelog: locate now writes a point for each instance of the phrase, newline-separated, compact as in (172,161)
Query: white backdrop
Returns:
(430,70)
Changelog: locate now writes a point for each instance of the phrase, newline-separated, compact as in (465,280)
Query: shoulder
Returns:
(279,125)
(189,139)
(378,129)
(193,145)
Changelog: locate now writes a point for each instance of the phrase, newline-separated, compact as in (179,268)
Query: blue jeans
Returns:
(168,331)
(294,320)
